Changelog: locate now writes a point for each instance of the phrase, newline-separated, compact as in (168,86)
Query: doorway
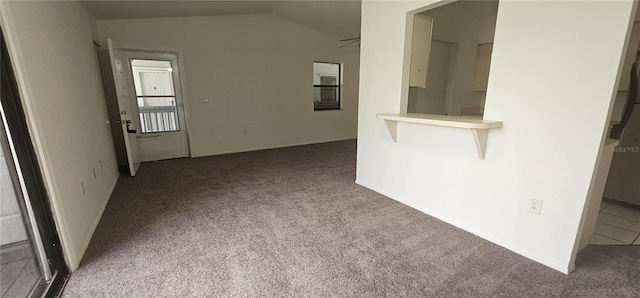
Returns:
(618,219)
(161,112)
(143,90)
(614,218)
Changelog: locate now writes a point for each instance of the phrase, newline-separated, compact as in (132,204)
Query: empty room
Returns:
(319,149)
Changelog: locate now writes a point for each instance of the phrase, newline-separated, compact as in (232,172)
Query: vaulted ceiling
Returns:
(340,18)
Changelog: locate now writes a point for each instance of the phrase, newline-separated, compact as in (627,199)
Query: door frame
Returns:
(181,76)
(119,73)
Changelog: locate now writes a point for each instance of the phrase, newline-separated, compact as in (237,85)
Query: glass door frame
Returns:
(24,163)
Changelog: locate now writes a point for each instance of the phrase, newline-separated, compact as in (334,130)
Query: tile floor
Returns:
(19,272)
(617,225)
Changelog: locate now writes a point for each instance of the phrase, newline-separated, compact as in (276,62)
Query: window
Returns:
(326,85)
(155,95)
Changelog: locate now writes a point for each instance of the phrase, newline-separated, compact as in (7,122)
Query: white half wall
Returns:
(554,73)
(50,44)
(256,71)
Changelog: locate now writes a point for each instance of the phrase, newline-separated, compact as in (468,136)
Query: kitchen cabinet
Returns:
(420,50)
(483,64)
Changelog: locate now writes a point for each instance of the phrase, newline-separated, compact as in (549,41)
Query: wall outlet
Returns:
(535,206)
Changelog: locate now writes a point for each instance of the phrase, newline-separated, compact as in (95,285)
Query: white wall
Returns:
(553,97)
(50,44)
(257,73)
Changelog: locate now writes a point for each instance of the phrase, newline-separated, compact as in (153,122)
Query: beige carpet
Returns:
(291,222)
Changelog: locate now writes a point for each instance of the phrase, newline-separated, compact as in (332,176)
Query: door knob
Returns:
(129,130)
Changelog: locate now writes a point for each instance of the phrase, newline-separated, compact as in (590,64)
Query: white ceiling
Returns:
(340,18)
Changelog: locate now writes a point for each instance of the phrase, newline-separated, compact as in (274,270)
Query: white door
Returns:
(126,105)
(159,103)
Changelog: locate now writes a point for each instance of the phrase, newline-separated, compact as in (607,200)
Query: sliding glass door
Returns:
(18,250)
(30,254)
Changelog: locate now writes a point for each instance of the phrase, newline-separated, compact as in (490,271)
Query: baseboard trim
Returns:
(564,268)
(12,252)
(85,245)
(270,147)
(619,202)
